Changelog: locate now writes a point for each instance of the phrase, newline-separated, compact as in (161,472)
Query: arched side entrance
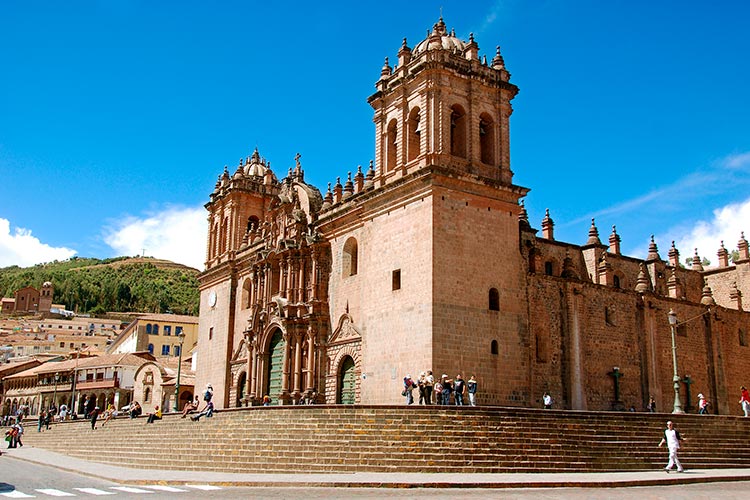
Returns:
(241,389)
(346,394)
(275,366)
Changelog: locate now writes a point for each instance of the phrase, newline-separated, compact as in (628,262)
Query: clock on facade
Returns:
(212,299)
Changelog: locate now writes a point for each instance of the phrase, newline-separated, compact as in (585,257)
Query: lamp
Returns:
(54,394)
(175,407)
(676,378)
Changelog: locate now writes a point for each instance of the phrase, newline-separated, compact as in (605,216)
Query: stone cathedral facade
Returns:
(427,260)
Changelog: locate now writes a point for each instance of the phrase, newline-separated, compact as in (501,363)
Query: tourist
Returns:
(156,415)
(672,438)
(135,410)
(93,415)
(266,400)
(208,394)
(458,390)
(702,404)
(547,400)
(420,384)
(190,407)
(429,382)
(11,435)
(745,400)
(651,407)
(409,386)
(439,392)
(42,419)
(471,386)
(446,383)
(207,412)
(63,413)
(109,413)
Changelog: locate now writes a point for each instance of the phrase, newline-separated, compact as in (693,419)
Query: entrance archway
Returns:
(275,366)
(347,382)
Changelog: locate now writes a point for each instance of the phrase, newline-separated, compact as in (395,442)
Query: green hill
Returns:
(121,284)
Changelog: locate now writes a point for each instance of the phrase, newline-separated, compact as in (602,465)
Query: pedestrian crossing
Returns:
(112,490)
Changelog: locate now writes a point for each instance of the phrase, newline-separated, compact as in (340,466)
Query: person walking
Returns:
(93,415)
(458,390)
(672,438)
(702,404)
(471,387)
(651,407)
(745,400)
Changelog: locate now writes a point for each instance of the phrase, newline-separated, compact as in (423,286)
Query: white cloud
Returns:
(20,248)
(739,160)
(727,224)
(176,233)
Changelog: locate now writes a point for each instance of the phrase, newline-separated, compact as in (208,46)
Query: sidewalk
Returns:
(125,475)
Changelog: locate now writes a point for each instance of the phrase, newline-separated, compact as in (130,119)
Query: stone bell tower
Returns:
(442,105)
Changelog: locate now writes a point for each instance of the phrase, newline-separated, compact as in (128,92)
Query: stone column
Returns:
(297,363)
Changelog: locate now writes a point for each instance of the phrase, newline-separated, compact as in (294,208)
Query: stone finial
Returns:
(743,247)
(735,295)
(674,285)
(329,195)
(548,226)
(593,235)
(337,190)
(605,271)
(723,255)
(614,242)
(523,216)
(348,186)
(653,251)
(697,262)
(404,54)
(359,180)
(370,172)
(707,297)
(674,256)
(642,284)
(498,62)
(569,269)
(387,70)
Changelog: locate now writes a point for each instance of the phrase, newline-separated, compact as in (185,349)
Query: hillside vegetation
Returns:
(120,284)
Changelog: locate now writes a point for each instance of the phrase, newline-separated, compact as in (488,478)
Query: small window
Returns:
(494,299)
(151,348)
(396,279)
(147,395)
(148,328)
(176,350)
(62,344)
(682,330)
(548,268)
(177,330)
(210,333)
(743,340)
(165,350)
(349,258)
(616,281)
(156,329)
(493,347)
(167,330)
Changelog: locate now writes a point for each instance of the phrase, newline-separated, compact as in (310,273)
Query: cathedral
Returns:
(427,261)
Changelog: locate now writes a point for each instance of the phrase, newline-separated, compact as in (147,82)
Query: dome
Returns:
(440,39)
(256,167)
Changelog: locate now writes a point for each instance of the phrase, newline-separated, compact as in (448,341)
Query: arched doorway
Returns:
(347,380)
(275,365)
(241,384)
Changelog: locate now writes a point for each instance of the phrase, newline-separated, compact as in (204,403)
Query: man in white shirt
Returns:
(672,438)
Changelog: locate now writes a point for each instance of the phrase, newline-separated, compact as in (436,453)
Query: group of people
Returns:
(14,434)
(208,410)
(426,385)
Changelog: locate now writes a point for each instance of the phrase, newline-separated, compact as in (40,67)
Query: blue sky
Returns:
(116,117)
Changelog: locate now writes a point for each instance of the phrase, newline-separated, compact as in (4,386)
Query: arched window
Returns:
(548,268)
(148,328)
(156,329)
(391,146)
(246,293)
(252,223)
(151,348)
(494,299)
(493,347)
(487,139)
(458,131)
(616,281)
(415,134)
(349,258)
(147,395)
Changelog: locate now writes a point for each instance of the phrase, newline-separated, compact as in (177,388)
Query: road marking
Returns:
(55,493)
(171,489)
(16,494)
(95,491)
(128,489)
(204,487)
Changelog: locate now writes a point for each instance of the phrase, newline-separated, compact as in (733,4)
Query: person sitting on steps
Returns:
(207,412)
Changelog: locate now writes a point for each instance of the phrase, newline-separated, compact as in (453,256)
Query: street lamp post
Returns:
(175,407)
(676,378)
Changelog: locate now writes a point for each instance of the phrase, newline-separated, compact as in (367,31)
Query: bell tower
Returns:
(442,105)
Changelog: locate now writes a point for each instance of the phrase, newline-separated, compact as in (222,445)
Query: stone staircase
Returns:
(402,439)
